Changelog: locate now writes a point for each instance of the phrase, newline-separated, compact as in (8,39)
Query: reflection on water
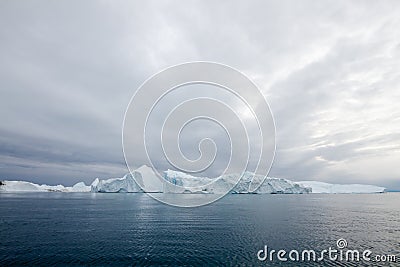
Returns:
(134,229)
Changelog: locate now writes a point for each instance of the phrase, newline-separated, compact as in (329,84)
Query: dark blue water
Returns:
(133,229)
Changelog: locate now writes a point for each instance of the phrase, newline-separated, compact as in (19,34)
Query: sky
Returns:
(330,71)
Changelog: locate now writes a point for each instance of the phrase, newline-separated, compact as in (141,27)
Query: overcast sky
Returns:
(330,71)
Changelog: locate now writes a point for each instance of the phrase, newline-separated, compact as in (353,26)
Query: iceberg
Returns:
(145,176)
(22,186)
(79,187)
(126,184)
(178,182)
(321,187)
(282,186)
(144,179)
(18,186)
(151,182)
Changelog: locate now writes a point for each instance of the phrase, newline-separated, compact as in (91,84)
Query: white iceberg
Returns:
(19,186)
(145,176)
(321,187)
(281,186)
(151,182)
(79,187)
(126,184)
(22,186)
(144,179)
(178,182)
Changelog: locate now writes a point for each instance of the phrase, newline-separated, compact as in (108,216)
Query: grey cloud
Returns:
(330,71)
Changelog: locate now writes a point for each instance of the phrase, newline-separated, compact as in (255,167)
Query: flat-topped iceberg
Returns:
(22,186)
(321,187)
(144,179)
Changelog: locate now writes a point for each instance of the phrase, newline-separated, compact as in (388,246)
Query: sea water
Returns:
(134,229)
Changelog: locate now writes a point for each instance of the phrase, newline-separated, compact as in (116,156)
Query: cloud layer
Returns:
(330,71)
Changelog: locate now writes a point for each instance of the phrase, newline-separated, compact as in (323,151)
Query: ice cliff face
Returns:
(282,186)
(144,175)
(126,184)
(249,184)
